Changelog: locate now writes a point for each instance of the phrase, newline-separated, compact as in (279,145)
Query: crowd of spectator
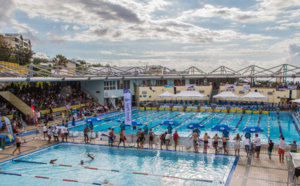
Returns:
(50,96)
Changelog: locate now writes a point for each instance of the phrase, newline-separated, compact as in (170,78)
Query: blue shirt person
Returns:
(146,129)
(122,125)
(170,129)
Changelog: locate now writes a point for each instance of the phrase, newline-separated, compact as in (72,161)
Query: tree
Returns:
(37,61)
(7,52)
(60,60)
(25,56)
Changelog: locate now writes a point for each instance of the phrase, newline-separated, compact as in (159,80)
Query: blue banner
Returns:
(127,106)
(0,122)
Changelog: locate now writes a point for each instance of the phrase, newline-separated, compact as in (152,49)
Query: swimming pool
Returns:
(156,163)
(271,123)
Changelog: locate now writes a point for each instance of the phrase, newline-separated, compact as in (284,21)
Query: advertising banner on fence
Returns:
(230,87)
(190,87)
(292,86)
(34,115)
(246,88)
(127,106)
(8,126)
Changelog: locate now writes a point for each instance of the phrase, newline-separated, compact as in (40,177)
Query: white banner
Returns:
(230,87)
(8,126)
(190,87)
(127,106)
(246,88)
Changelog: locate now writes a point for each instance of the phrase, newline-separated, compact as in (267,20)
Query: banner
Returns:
(246,88)
(230,87)
(190,87)
(0,122)
(169,86)
(292,86)
(127,106)
(8,126)
(34,115)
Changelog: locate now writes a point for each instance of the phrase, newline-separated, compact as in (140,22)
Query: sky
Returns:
(176,33)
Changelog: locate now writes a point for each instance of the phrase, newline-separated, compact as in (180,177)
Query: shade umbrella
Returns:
(226,94)
(194,126)
(253,129)
(296,101)
(169,122)
(254,95)
(221,127)
(166,95)
(92,119)
(135,123)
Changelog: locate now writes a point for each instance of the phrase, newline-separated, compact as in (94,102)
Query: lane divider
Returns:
(49,178)
(237,125)
(114,170)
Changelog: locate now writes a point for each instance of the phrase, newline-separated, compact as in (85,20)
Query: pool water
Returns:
(236,121)
(181,164)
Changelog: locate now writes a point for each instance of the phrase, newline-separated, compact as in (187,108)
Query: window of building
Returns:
(161,82)
(109,85)
(196,81)
(179,82)
(123,84)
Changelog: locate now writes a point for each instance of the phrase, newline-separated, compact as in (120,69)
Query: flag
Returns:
(127,106)
(73,121)
(34,115)
(8,126)
(0,122)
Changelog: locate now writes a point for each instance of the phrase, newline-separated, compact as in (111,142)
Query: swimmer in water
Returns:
(52,161)
(90,156)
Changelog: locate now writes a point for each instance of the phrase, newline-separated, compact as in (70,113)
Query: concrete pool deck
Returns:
(249,171)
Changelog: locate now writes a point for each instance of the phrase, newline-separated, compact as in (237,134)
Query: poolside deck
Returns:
(249,171)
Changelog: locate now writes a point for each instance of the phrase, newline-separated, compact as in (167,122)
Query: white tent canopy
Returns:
(190,94)
(296,101)
(113,96)
(166,94)
(226,94)
(254,95)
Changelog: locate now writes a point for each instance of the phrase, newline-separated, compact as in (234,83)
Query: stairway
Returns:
(214,92)
(16,102)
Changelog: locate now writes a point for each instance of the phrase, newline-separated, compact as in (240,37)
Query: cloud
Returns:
(6,12)
(294,57)
(64,27)
(34,38)
(40,55)
(106,52)
(75,27)
(55,38)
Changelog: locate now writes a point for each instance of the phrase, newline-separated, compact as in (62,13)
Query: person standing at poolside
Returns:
(138,138)
(85,132)
(122,138)
(216,138)
(270,148)
(146,129)
(49,134)
(18,145)
(293,146)
(205,139)
(281,149)
(66,132)
(197,131)
(224,140)
(55,135)
(257,145)
(122,126)
(142,139)
(195,138)
(237,144)
(175,138)
(170,129)
(247,145)
(112,137)
(162,138)
(45,131)
(168,139)
(151,137)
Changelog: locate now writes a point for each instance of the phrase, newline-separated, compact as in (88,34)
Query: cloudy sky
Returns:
(175,33)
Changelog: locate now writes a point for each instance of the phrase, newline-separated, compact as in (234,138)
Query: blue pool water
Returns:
(236,121)
(171,163)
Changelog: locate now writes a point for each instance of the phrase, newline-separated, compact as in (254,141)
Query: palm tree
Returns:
(60,60)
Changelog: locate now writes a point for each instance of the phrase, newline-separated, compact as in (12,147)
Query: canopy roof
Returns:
(226,94)
(296,101)
(166,94)
(190,94)
(254,95)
